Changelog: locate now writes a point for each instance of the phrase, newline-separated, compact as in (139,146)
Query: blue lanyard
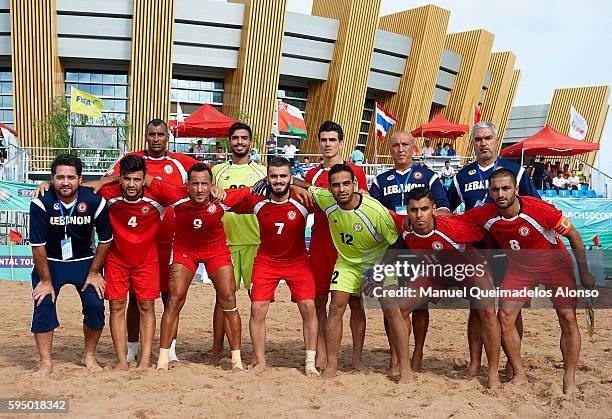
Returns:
(482,179)
(399,185)
(61,208)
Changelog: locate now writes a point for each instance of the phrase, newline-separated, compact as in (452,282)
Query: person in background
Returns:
(297,171)
(559,182)
(271,145)
(289,150)
(573,182)
(255,156)
(539,173)
(199,151)
(451,151)
(306,166)
(438,149)
(582,175)
(357,157)
(447,174)
(219,153)
(428,150)
(566,171)
(444,151)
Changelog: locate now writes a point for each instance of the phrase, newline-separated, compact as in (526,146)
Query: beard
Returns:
(280,193)
(508,203)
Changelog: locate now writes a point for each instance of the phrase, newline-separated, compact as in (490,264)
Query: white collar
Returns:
(484,169)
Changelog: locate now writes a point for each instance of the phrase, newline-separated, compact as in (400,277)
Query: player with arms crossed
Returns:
(61,235)
(323,254)
(534,226)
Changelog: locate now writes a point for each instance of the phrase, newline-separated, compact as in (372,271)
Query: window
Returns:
(296,97)
(6,98)
(366,120)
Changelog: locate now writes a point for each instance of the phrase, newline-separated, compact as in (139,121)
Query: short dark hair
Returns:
(199,167)
(156,122)
(67,160)
(341,167)
(240,125)
(331,126)
(503,172)
(419,193)
(132,163)
(542,158)
(447,161)
(279,161)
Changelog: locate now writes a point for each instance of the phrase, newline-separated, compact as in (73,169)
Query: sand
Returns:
(196,389)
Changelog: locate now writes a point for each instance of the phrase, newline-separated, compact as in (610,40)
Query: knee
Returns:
(567,321)
(175,301)
(227,301)
(258,313)
(117,306)
(147,306)
(487,315)
(506,319)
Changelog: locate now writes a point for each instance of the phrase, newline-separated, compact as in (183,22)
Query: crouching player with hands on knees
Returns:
(529,229)
(440,243)
(199,238)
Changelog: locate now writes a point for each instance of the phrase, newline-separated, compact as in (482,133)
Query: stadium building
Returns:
(141,57)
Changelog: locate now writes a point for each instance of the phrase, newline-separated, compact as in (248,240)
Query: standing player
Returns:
(199,238)
(281,255)
(361,230)
(323,254)
(391,189)
(61,234)
(132,260)
(447,240)
(470,188)
(526,223)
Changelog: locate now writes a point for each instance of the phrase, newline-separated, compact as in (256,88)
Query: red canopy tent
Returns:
(206,122)
(9,129)
(548,142)
(440,127)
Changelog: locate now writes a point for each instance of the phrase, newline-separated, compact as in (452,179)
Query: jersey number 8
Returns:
(514,245)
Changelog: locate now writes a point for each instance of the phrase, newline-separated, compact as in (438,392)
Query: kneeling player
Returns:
(445,241)
(281,255)
(199,238)
(526,223)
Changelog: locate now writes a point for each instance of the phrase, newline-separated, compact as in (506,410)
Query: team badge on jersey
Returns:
(357,227)
(390,177)
(145,210)
(56,206)
(82,207)
(418,175)
(211,208)
(168,169)
(291,215)
(437,245)
(524,231)
(472,172)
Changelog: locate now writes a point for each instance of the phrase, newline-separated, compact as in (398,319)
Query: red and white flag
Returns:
(290,119)
(476,116)
(384,120)
(578,125)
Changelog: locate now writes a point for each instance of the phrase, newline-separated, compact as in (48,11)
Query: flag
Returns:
(290,119)
(476,114)
(578,125)
(596,240)
(15,237)
(384,121)
(179,113)
(84,103)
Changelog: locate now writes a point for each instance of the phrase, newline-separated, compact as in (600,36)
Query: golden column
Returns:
(252,87)
(37,74)
(505,117)
(150,65)
(341,97)
(411,104)
(475,49)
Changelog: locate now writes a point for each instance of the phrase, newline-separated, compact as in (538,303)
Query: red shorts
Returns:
(191,258)
(266,277)
(143,280)
(322,269)
(561,280)
(163,260)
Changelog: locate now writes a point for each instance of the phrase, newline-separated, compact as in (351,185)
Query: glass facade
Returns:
(6,98)
(296,97)
(366,120)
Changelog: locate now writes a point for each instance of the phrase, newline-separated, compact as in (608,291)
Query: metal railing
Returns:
(15,167)
(598,180)
(95,161)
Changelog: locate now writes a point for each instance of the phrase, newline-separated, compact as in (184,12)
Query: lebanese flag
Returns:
(15,237)
(290,119)
(476,114)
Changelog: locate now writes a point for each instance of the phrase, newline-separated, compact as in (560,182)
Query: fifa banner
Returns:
(591,217)
(15,196)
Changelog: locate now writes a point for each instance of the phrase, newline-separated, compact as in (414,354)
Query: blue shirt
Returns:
(451,152)
(388,187)
(468,188)
(297,171)
(48,227)
(357,157)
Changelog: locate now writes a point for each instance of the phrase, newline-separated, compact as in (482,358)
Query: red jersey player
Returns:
(445,241)
(323,253)
(132,259)
(199,238)
(526,223)
(281,255)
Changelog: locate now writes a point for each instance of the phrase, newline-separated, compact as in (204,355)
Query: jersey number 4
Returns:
(132,221)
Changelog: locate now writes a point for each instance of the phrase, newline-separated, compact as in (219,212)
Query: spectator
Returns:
(444,151)
(190,151)
(289,150)
(271,145)
(573,181)
(297,171)
(447,174)
(415,150)
(582,174)
(566,171)
(428,150)
(421,162)
(438,149)
(539,174)
(255,156)
(2,163)
(559,182)
(357,157)
(199,151)
(451,151)
(306,166)
(219,153)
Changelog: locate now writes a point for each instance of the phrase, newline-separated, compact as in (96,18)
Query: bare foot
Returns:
(142,366)
(257,368)
(44,369)
(357,367)
(91,363)
(569,387)
(393,371)
(216,355)
(469,372)
(406,379)
(494,382)
(509,371)
(416,363)
(121,366)
(519,380)
(321,361)
(329,373)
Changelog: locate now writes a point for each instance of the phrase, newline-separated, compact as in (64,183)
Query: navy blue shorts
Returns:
(44,318)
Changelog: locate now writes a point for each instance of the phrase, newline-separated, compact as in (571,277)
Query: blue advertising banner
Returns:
(15,196)
(591,217)
(16,263)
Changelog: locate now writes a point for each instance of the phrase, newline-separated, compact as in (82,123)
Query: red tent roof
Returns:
(440,127)
(548,142)
(11,130)
(206,122)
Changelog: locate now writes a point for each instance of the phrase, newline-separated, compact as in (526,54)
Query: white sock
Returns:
(310,363)
(236,359)
(172,351)
(133,350)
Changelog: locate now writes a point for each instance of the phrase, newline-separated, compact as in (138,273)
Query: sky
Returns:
(550,38)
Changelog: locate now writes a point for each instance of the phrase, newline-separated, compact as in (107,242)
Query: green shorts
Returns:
(347,278)
(243,258)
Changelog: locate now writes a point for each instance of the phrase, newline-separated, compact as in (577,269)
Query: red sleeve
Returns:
(461,230)
(236,196)
(247,204)
(115,169)
(398,220)
(107,192)
(362,183)
(167,194)
(548,215)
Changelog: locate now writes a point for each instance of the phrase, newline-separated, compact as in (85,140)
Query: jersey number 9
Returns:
(197,223)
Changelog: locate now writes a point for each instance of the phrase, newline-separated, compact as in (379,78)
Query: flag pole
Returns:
(11,259)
